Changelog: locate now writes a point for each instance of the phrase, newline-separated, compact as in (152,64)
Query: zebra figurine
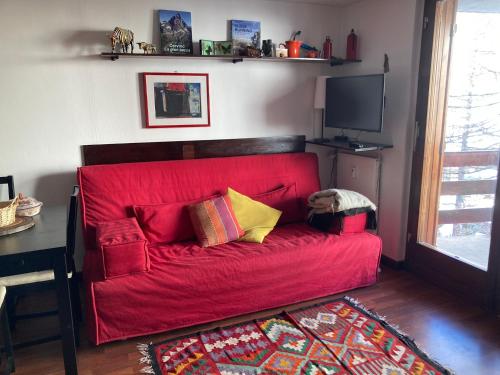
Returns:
(124,37)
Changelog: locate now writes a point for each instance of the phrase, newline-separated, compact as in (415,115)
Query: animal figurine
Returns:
(147,47)
(124,37)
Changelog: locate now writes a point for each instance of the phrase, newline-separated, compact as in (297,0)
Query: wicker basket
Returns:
(8,212)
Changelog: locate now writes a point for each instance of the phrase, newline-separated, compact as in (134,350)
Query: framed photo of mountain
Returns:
(176,34)
(244,34)
(175,100)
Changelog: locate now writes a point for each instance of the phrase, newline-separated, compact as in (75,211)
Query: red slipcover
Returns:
(187,284)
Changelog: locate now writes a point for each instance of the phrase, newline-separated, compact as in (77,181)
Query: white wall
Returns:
(392,27)
(56,95)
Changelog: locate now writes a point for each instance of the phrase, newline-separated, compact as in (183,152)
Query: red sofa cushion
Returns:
(188,284)
(108,192)
(123,248)
(285,200)
(167,222)
(164,223)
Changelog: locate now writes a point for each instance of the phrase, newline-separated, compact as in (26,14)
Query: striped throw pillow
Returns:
(214,221)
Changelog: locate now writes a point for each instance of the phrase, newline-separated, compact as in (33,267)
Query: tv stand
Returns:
(346,145)
(319,140)
(364,149)
(341,138)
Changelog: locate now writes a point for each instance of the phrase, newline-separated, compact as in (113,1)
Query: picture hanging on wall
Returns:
(176,33)
(176,100)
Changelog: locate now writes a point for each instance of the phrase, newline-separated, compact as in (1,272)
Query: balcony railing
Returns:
(468,159)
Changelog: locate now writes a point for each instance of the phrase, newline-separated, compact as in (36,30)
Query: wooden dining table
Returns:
(39,248)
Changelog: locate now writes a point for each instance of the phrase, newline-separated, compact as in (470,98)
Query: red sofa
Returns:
(184,284)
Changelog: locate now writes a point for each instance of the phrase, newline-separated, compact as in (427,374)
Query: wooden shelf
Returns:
(234,59)
(344,145)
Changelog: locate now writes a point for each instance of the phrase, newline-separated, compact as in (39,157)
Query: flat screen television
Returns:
(355,103)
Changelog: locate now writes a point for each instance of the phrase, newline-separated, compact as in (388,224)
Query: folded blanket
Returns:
(337,200)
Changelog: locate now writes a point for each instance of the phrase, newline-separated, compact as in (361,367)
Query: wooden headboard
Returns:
(157,151)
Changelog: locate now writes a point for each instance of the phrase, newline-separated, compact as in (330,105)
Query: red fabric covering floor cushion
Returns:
(188,284)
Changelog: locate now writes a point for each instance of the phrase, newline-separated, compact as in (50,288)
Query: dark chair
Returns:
(22,284)
(9,181)
(9,366)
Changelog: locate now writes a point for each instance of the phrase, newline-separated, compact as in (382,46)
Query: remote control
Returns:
(356,145)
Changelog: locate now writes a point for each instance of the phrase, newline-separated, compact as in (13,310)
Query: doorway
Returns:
(456,158)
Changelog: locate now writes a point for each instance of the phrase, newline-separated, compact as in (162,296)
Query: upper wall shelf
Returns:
(335,61)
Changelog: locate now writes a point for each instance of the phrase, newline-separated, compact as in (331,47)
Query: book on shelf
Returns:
(243,35)
(176,34)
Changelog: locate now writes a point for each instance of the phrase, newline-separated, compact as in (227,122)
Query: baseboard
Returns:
(391,263)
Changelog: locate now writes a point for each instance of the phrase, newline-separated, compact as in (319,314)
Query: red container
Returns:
(352,46)
(327,48)
(293,47)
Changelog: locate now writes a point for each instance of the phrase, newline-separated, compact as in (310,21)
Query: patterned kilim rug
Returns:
(337,337)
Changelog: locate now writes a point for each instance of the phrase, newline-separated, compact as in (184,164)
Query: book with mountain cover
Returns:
(176,34)
(244,34)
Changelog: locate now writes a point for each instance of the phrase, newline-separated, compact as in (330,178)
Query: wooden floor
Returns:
(461,337)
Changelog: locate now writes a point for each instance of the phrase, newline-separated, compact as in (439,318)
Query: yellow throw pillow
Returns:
(255,218)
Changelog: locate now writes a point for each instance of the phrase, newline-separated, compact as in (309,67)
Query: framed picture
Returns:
(176,100)
(223,48)
(206,47)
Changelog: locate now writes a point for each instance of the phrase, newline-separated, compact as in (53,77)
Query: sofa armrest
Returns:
(123,248)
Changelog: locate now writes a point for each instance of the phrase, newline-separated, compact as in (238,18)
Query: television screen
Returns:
(355,103)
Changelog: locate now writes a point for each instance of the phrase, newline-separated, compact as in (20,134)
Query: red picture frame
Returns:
(176,100)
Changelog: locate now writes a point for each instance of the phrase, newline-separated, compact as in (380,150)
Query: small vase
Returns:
(293,47)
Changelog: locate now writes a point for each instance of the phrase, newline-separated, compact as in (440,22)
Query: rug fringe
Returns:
(403,335)
(377,316)
(146,358)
